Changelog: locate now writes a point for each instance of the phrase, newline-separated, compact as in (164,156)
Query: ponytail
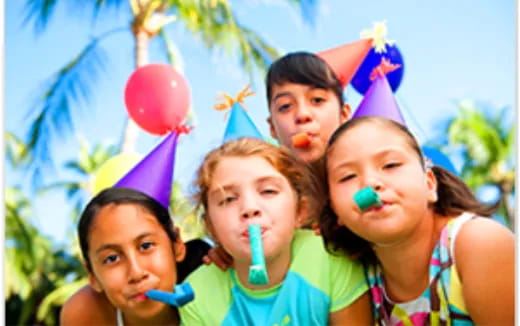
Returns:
(455,197)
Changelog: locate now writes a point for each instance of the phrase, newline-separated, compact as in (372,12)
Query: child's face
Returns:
(297,108)
(377,155)
(131,253)
(249,190)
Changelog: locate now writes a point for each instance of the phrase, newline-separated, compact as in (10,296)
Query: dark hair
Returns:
(120,195)
(303,68)
(454,196)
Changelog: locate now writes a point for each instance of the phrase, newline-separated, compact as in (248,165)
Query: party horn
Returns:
(301,140)
(366,198)
(257,270)
(183,293)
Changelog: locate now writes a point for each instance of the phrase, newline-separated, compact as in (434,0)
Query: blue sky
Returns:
(452,50)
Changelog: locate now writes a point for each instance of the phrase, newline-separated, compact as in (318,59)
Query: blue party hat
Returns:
(240,124)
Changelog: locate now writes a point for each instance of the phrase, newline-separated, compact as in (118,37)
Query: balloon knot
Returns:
(383,68)
(378,36)
(183,129)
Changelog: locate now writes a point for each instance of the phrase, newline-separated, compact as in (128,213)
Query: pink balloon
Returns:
(157,98)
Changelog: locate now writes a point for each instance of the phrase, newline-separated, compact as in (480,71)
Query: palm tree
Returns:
(488,151)
(212,21)
(33,267)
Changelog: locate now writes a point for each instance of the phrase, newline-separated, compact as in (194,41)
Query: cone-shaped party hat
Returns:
(240,124)
(153,175)
(379,99)
(346,59)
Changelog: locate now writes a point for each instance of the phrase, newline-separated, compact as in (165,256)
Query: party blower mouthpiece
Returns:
(257,270)
(366,198)
(301,140)
(183,293)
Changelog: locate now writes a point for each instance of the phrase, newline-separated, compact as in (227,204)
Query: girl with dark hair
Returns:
(429,256)
(129,246)
(305,96)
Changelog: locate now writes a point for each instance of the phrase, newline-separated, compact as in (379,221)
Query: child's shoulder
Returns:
(87,307)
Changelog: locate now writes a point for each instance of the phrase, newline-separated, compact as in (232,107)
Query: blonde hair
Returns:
(298,173)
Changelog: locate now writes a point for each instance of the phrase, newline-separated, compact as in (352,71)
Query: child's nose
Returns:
(136,272)
(374,182)
(251,212)
(303,115)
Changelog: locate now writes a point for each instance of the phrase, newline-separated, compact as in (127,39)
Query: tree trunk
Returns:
(131,131)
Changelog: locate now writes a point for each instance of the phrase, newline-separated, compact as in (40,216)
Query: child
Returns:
(246,182)
(430,258)
(304,95)
(129,246)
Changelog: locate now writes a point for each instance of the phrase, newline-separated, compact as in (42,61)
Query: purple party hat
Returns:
(379,101)
(153,175)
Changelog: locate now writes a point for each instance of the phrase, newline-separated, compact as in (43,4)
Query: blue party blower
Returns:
(183,293)
(257,270)
(366,198)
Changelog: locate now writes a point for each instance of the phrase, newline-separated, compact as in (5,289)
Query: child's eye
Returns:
(283,107)
(146,245)
(318,100)
(347,177)
(110,259)
(226,200)
(391,165)
(269,191)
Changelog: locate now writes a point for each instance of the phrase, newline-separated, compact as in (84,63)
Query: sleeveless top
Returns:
(441,303)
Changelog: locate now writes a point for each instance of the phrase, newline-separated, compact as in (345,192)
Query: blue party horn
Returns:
(183,293)
(366,198)
(257,270)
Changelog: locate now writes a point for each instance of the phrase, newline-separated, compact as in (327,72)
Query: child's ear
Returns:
(431,183)
(179,247)
(345,113)
(94,282)
(303,212)
(272,130)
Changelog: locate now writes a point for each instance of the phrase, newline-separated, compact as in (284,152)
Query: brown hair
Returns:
(454,196)
(298,173)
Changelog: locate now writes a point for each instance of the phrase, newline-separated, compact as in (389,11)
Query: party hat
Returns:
(240,124)
(346,59)
(379,101)
(153,175)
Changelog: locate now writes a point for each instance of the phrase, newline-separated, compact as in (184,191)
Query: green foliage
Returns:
(487,138)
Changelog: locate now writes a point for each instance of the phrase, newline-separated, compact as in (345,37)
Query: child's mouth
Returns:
(139,297)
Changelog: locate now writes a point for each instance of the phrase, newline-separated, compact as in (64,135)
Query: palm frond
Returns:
(41,11)
(69,90)
(15,148)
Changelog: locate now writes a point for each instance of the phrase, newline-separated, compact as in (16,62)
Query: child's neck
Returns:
(169,316)
(405,266)
(277,268)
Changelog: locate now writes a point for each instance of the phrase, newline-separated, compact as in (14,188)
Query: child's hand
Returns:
(219,257)
(316,228)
